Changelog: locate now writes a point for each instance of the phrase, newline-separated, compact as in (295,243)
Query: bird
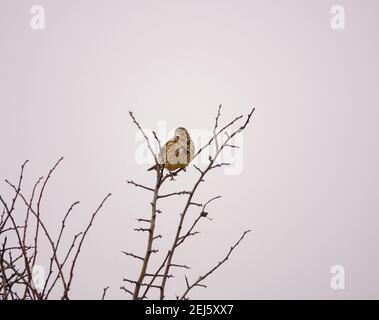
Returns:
(176,153)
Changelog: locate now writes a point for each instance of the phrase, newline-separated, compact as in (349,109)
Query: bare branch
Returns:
(198,169)
(104,293)
(39,208)
(145,136)
(155,276)
(156,138)
(180,266)
(202,278)
(142,229)
(179,193)
(231,146)
(154,211)
(81,243)
(217,117)
(126,290)
(132,255)
(139,185)
(223,164)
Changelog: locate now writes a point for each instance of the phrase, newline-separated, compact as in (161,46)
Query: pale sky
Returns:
(308,185)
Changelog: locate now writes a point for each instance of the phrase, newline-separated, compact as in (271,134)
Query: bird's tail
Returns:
(154,167)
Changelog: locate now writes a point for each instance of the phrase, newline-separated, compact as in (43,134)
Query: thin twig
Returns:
(203,277)
(104,293)
(65,296)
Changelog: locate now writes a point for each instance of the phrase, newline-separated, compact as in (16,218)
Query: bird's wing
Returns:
(176,152)
(165,153)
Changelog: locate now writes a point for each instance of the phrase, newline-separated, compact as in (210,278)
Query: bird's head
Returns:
(181,133)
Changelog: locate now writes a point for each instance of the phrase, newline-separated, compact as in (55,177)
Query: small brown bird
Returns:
(177,153)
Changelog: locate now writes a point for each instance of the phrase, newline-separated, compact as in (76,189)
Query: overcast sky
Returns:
(308,178)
